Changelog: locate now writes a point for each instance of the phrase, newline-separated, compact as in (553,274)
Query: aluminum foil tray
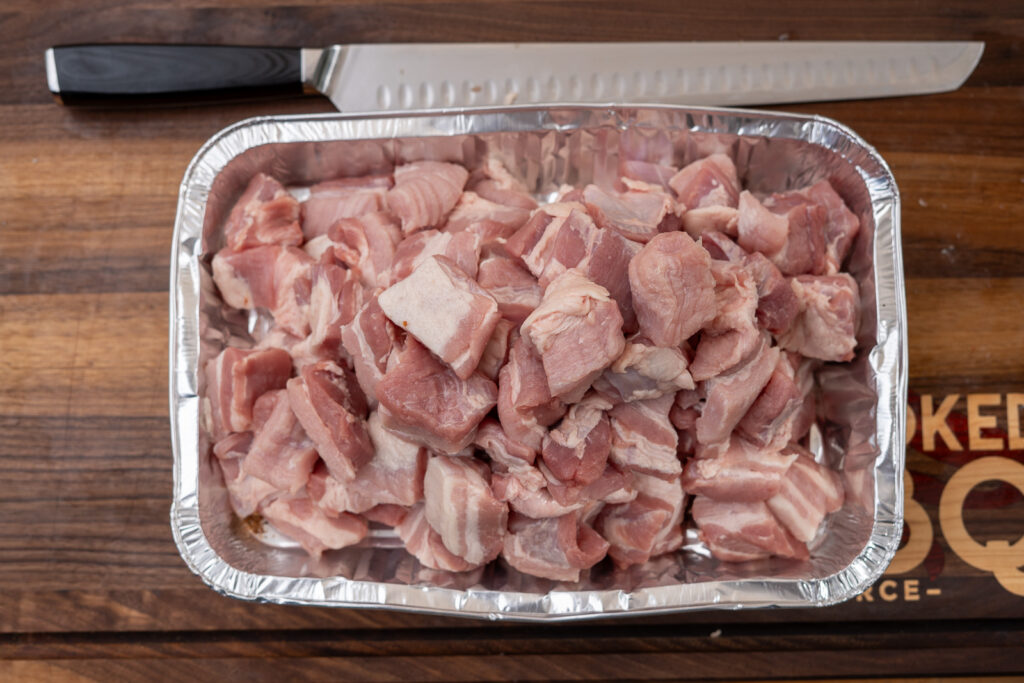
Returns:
(860,431)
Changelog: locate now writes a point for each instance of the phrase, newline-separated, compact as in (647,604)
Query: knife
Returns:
(375,77)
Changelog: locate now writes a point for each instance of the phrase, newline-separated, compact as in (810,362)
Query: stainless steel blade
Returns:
(421,76)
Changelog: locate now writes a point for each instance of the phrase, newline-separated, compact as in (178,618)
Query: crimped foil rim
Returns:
(888,360)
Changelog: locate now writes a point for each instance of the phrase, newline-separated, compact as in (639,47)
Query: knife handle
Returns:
(136,74)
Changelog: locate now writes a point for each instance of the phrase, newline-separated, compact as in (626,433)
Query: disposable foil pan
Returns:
(860,431)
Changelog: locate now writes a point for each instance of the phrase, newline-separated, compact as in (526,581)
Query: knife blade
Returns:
(375,77)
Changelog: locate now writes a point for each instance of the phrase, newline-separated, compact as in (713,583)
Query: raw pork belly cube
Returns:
(333,200)
(526,495)
(393,476)
(724,220)
(556,548)
(647,172)
(739,532)
(638,215)
(264,214)
(334,299)
(777,305)
(315,531)
(562,236)
(425,192)
(645,371)
(462,247)
(425,544)
(280,453)
(711,181)
(494,183)
(525,404)
(577,329)
(577,450)
(276,278)
(422,399)
(808,493)
(446,310)
(826,327)
(368,339)
(791,236)
(235,379)
(332,409)
(496,352)
(841,225)
(472,209)
(643,437)
(771,418)
(649,525)
(742,472)
(512,286)
(367,246)
(245,493)
(730,394)
(462,509)
(673,289)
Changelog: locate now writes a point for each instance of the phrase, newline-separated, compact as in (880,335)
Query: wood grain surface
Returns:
(91,584)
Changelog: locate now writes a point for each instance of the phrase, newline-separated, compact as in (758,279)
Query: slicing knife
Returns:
(390,77)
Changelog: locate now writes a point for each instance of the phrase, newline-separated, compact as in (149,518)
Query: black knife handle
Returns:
(133,74)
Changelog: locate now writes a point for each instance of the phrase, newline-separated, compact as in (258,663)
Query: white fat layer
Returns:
(428,305)
(393,453)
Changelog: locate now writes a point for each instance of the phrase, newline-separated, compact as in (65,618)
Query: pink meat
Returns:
(272,277)
(648,172)
(393,476)
(334,300)
(613,485)
(369,338)
(777,305)
(235,379)
(425,192)
(525,404)
(722,219)
(281,453)
(332,409)
(513,287)
(672,287)
(501,448)
(461,508)
(527,496)
(425,544)
(301,520)
(711,181)
(791,235)
(496,352)
(647,526)
(770,419)
(366,245)
(644,371)
(742,472)
(721,247)
(576,452)
(557,548)
(572,240)
(463,248)
(574,314)
(841,225)
(494,183)
(446,310)
(720,352)
(473,209)
(808,493)
(638,215)
(334,200)
(264,214)
(739,532)
(422,399)
(730,394)
(643,437)
(732,335)
(245,493)
(826,327)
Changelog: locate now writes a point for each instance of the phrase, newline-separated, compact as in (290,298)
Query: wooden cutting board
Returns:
(91,584)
